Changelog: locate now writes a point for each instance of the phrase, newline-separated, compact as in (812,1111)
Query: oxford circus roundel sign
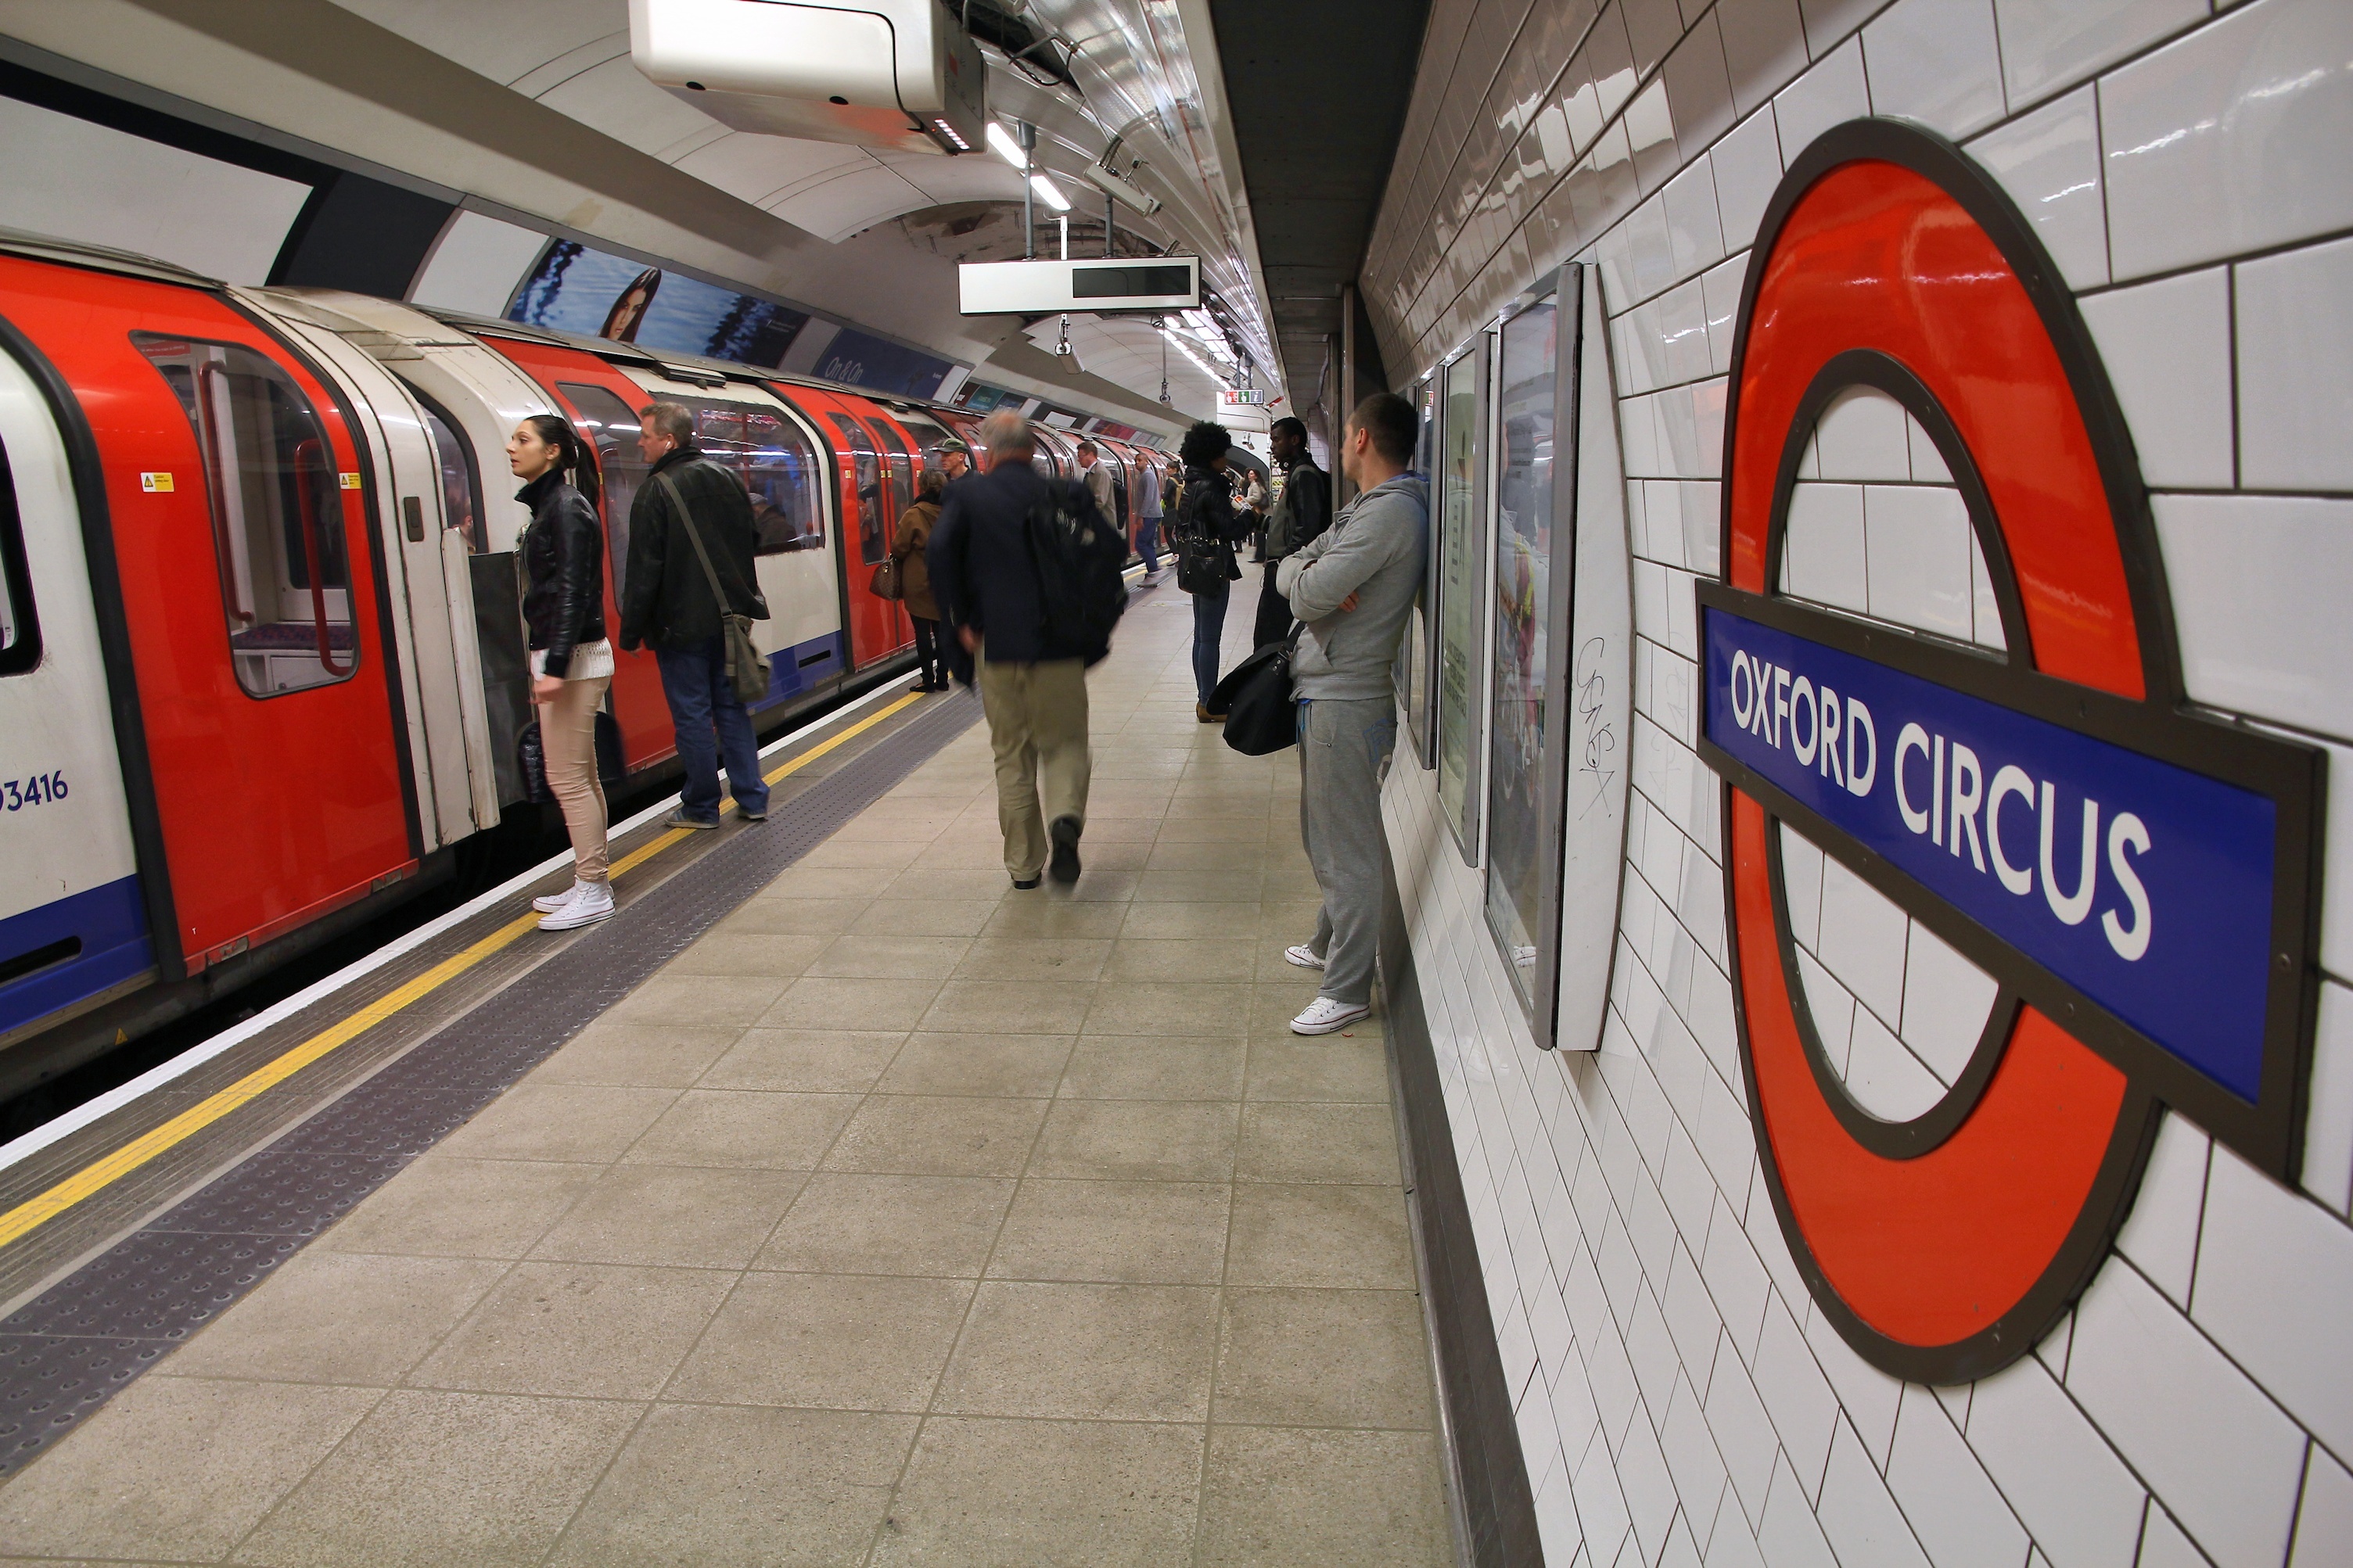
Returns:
(2137,879)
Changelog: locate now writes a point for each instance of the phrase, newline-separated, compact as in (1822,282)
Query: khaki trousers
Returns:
(567,737)
(1037,727)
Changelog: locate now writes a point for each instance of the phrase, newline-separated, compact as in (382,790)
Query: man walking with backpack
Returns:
(690,542)
(1353,587)
(1027,570)
(1300,514)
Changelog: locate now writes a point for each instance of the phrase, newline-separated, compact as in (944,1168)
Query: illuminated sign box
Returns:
(1110,283)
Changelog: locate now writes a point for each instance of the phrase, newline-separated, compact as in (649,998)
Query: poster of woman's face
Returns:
(629,311)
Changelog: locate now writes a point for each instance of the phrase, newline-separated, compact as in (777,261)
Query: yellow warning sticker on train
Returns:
(350,482)
(155,484)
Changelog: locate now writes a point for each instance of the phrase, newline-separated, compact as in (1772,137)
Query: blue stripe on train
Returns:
(793,670)
(111,923)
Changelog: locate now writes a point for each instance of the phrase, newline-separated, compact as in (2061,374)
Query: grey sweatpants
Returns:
(1343,750)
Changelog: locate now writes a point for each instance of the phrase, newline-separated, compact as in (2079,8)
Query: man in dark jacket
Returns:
(1034,692)
(666,600)
(1301,512)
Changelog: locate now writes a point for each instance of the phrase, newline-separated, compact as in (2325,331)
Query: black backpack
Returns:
(1081,591)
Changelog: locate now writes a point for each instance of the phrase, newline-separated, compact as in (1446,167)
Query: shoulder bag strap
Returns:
(694,537)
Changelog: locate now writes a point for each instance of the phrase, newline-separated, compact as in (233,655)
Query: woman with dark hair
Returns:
(907,548)
(571,662)
(629,311)
(1205,531)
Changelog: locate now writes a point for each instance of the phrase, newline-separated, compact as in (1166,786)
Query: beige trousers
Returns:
(1037,727)
(567,737)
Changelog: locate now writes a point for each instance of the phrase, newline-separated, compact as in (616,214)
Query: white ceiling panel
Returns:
(614,99)
(836,209)
(503,40)
(762,169)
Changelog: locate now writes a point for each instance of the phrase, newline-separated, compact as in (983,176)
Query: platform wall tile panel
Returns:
(1679,1396)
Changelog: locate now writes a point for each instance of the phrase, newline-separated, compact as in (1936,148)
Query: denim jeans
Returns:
(1208,630)
(709,719)
(1147,542)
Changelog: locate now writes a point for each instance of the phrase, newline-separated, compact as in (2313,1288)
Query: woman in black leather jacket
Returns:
(571,661)
(1202,536)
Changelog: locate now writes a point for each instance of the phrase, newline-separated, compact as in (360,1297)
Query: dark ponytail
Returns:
(576,457)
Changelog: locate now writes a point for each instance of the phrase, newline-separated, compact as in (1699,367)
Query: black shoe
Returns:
(1021,887)
(1064,866)
(747,814)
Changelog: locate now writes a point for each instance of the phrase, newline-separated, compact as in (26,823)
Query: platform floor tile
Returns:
(901,1218)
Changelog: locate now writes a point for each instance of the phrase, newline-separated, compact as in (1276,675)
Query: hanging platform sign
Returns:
(2138,878)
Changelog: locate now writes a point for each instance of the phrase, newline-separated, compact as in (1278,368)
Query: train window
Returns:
(277,513)
(901,465)
(612,425)
(776,463)
(928,434)
(461,507)
(872,542)
(20,630)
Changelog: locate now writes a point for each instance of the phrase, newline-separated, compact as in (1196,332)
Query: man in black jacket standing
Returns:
(1301,512)
(985,577)
(666,601)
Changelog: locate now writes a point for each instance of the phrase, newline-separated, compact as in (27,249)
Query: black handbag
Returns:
(1255,697)
(531,757)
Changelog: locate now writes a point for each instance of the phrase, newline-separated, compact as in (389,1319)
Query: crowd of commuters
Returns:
(970,573)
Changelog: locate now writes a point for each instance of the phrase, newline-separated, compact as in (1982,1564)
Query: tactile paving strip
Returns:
(74,1347)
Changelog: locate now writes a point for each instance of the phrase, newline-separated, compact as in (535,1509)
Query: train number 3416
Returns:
(39,789)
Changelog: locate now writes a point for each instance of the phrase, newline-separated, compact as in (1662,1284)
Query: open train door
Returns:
(428,580)
(241,600)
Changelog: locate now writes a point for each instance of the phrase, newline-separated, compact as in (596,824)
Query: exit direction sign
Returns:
(1249,397)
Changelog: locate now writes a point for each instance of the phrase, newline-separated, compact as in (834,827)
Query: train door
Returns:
(73,921)
(603,403)
(872,624)
(425,571)
(899,462)
(253,601)
(744,429)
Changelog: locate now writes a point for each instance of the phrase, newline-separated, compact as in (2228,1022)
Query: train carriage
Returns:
(259,606)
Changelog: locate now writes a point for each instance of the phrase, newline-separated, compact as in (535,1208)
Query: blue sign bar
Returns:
(2145,886)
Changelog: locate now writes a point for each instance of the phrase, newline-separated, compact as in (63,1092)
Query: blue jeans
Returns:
(709,719)
(1208,630)
(1147,542)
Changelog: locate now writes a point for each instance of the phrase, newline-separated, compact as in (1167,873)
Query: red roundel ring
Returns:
(1942,1249)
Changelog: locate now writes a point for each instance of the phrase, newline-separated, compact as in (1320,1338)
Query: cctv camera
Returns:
(1123,187)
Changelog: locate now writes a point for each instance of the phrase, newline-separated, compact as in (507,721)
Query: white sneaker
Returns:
(1324,1016)
(593,903)
(554,901)
(1303,955)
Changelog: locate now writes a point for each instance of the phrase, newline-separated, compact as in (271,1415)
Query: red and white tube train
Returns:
(261,661)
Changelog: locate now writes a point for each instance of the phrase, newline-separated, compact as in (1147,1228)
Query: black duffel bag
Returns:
(1255,698)
(531,757)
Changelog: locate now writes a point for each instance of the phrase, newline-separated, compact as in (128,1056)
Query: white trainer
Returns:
(1324,1016)
(592,903)
(554,901)
(1303,955)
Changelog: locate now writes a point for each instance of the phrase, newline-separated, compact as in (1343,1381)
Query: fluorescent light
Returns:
(1007,148)
(1047,193)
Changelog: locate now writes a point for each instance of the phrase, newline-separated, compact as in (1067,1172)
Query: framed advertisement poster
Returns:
(1461,552)
(1533,568)
(1416,675)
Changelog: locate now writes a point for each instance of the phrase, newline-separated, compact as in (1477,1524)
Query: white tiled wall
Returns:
(2191,169)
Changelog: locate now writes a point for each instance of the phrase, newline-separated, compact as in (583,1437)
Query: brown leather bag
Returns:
(885,584)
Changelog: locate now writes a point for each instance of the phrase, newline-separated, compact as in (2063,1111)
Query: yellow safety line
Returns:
(96,1177)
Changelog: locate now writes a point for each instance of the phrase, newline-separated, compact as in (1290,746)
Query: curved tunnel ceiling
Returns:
(1140,66)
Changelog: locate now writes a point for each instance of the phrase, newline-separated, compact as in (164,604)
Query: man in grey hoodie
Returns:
(1353,586)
